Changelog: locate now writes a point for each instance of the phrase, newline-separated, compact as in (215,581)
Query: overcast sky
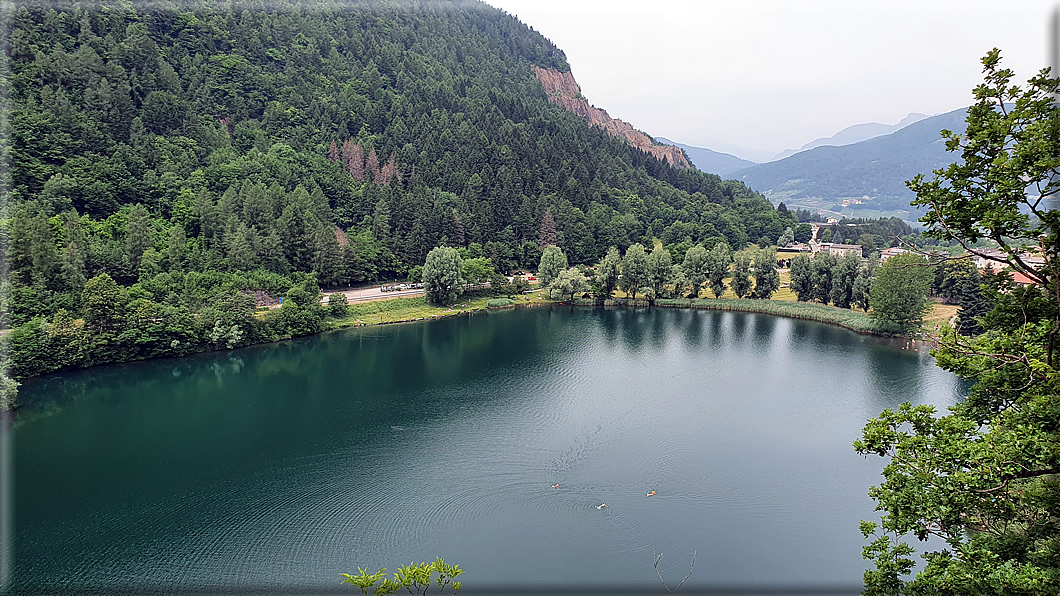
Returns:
(769,75)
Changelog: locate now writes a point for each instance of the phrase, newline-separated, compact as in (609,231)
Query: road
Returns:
(364,294)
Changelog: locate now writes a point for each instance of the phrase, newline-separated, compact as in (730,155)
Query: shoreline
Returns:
(830,315)
(820,313)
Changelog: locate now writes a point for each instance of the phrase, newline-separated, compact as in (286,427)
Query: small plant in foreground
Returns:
(415,578)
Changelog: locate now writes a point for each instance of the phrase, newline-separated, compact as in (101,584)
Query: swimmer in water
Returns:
(651,494)
(601,505)
(555,486)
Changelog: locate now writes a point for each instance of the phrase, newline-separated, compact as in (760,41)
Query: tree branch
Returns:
(656,566)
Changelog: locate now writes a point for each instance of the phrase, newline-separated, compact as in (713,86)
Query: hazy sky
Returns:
(769,75)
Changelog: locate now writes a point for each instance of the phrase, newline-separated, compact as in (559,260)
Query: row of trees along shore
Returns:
(652,275)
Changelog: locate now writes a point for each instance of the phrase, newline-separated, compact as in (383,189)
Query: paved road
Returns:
(366,294)
(362,294)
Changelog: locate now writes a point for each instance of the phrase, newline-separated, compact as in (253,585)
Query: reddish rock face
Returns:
(564,91)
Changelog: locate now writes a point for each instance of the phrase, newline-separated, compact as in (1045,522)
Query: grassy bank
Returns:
(416,308)
(397,310)
(849,319)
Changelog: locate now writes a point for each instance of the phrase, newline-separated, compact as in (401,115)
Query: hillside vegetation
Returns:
(170,164)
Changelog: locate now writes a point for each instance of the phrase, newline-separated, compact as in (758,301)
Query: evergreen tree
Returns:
(240,252)
(547,232)
(381,220)
(973,304)
(75,251)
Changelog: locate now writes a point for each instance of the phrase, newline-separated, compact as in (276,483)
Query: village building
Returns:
(994,258)
(891,252)
(840,250)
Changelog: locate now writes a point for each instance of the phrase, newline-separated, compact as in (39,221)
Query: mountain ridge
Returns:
(872,172)
(855,133)
(709,160)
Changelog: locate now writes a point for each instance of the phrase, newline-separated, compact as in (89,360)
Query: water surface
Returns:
(284,465)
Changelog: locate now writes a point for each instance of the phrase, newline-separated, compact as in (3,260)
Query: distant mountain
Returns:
(722,146)
(866,175)
(710,161)
(855,134)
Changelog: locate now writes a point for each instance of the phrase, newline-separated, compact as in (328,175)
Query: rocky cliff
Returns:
(563,91)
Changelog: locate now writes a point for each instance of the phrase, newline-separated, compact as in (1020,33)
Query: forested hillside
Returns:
(873,171)
(168,163)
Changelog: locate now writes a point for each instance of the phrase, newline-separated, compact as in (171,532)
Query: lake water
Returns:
(278,467)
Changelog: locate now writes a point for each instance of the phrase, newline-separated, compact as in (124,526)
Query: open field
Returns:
(394,310)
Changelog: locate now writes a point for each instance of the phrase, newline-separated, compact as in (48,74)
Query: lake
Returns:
(278,467)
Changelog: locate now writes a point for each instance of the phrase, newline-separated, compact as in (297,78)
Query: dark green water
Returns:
(285,465)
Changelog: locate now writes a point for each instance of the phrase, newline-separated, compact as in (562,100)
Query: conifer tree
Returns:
(381,220)
(138,234)
(175,248)
(973,304)
(547,232)
(371,163)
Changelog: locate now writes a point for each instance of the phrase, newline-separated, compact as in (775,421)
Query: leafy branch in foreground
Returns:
(985,478)
(414,578)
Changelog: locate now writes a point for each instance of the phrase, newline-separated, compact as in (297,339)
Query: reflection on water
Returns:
(289,463)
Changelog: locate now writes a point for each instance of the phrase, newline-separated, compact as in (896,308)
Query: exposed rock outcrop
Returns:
(564,91)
